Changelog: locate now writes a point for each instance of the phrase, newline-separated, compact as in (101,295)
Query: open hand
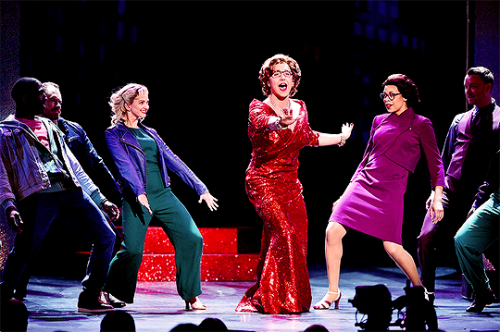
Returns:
(210,200)
(347,129)
(288,119)
(143,199)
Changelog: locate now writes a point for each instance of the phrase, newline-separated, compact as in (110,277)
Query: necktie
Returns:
(480,120)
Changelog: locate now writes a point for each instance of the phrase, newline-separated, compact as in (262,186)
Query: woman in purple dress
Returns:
(373,201)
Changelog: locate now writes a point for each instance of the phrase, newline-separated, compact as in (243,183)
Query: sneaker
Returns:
(90,302)
(111,300)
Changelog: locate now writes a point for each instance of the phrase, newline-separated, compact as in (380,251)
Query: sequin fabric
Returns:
(7,237)
(220,261)
(275,191)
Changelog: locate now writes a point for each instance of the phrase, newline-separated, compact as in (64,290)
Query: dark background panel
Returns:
(200,61)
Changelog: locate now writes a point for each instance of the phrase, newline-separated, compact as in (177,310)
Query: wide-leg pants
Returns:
(473,238)
(182,232)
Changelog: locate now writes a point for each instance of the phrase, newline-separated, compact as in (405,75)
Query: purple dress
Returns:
(373,202)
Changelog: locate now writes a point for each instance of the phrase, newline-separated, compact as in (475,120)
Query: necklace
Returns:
(284,109)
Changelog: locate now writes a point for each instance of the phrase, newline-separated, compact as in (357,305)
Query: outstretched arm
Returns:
(339,139)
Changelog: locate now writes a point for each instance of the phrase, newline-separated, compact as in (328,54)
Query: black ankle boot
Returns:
(481,299)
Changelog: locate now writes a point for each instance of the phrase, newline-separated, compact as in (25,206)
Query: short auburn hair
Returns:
(267,70)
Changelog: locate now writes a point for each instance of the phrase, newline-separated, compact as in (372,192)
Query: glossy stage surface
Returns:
(52,303)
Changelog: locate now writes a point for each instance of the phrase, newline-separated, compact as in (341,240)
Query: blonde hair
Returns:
(122,96)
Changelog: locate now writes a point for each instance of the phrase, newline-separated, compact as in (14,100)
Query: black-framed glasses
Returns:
(390,95)
(278,73)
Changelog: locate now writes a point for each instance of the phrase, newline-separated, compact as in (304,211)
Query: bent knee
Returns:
(106,238)
(193,239)
(461,241)
(335,232)
(134,253)
(392,248)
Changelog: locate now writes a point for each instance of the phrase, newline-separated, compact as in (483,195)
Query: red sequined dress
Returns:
(275,191)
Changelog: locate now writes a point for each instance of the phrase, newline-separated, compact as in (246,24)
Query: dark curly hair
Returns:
(266,71)
(406,87)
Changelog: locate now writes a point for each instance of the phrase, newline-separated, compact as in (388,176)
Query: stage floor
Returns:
(52,302)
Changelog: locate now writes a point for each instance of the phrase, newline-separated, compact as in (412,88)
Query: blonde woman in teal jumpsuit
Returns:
(142,159)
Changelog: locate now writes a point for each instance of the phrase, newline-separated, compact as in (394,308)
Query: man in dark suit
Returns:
(472,140)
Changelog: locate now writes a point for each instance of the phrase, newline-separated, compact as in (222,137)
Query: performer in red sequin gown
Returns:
(277,134)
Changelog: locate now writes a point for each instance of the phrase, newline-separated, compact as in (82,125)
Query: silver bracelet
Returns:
(278,124)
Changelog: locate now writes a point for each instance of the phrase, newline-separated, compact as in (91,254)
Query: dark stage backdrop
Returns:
(200,61)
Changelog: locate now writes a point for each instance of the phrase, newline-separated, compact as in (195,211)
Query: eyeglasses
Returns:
(391,95)
(278,73)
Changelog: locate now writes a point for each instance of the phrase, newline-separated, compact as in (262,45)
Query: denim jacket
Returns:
(22,170)
(130,160)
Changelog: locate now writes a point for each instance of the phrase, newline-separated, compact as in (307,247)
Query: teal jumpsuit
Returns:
(480,230)
(474,237)
(175,221)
